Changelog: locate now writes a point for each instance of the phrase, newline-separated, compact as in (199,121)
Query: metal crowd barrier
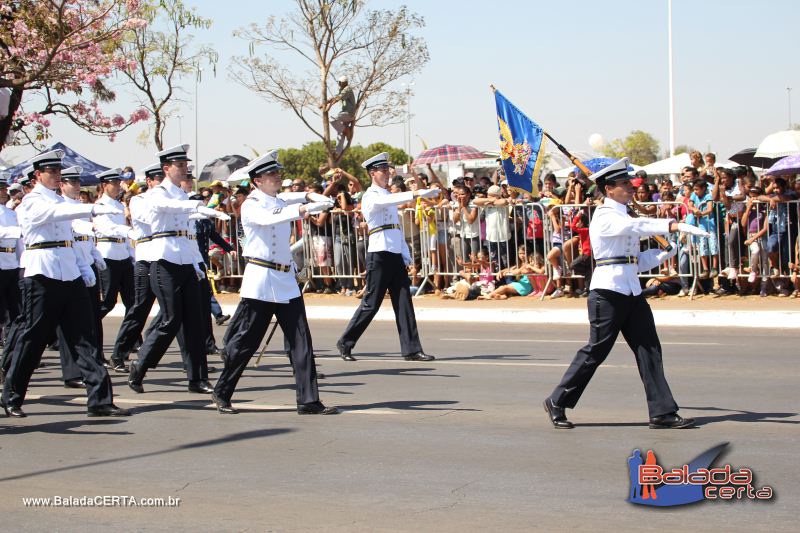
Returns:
(763,239)
(331,248)
(567,263)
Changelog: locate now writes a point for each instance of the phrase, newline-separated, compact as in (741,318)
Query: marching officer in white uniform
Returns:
(113,244)
(10,252)
(87,255)
(130,330)
(616,303)
(174,275)
(54,291)
(387,254)
(269,287)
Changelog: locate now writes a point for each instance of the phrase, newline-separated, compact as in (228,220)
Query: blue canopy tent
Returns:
(71,158)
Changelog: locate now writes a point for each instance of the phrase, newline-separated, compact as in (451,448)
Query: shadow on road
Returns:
(391,372)
(226,440)
(735,415)
(65,427)
(409,405)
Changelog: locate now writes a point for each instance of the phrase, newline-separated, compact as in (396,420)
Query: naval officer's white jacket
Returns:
(614,233)
(266,222)
(10,237)
(171,208)
(379,207)
(141,216)
(45,216)
(114,227)
(85,250)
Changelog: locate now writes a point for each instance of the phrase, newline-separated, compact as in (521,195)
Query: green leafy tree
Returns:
(305,162)
(639,146)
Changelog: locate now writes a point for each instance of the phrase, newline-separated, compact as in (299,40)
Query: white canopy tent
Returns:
(670,165)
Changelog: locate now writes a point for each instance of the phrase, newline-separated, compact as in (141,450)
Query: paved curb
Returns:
(663,317)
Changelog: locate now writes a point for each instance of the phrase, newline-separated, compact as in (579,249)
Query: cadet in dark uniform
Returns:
(387,254)
(136,316)
(616,303)
(269,287)
(54,291)
(174,275)
(88,255)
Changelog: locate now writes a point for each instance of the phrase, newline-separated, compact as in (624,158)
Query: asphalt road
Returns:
(459,444)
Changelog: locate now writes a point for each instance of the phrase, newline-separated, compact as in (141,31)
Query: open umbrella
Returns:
(748,158)
(599,163)
(222,167)
(787,166)
(447,153)
(780,144)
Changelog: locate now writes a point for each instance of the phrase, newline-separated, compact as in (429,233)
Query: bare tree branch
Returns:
(374,49)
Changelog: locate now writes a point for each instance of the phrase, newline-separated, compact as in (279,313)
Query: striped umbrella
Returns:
(447,153)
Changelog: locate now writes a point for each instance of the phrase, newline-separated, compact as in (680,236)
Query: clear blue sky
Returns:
(576,67)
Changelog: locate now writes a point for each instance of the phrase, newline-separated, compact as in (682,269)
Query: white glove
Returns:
(87,275)
(102,209)
(100,263)
(199,273)
(318,207)
(428,193)
(207,211)
(692,230)
(12,232)
(406,254)
(317,197)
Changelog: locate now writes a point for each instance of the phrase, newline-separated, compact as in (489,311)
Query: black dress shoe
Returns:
(419,356)
(345,352)
(107,410)
(315,408)
(212,351)
(13,411)
(201,387)
(74,384)
(221,319)
(135,379)
(119,367)
(671,421)
(223,406)
(557,415)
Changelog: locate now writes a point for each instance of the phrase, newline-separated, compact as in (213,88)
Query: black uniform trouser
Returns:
(178,295)
(385,271)
(50,303)
(69,365)
(116,280)
(248,327)
(9,298)
(609,314)
(206,332)
(136,315)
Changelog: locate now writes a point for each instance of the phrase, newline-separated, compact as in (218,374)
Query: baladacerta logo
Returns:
(695,481)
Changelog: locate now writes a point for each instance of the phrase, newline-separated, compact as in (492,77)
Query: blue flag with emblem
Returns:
(522,143)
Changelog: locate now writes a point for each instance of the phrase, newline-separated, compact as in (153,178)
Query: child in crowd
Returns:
(755,225)
(701,206)
(522,286)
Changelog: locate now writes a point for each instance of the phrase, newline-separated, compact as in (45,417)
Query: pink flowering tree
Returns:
(161,53)
(56,57)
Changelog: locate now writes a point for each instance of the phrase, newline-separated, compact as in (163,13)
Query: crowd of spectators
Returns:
(481,238)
